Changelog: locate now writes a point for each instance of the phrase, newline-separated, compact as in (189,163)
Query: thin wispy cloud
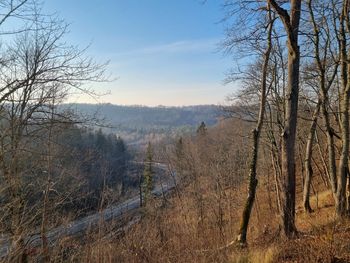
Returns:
(182,46)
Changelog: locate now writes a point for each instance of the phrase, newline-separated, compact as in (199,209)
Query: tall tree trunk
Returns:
(288,146)
(291,25)
(253,182)
(324,88)
(330,147)
(277,182)
(344,115)
(308,159)
(275,160)
(343,162)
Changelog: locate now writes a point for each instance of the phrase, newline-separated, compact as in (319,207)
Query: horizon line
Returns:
(140,105)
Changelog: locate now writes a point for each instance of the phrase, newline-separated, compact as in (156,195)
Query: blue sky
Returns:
(162,52)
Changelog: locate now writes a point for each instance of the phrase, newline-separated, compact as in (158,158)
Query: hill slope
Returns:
(137,124)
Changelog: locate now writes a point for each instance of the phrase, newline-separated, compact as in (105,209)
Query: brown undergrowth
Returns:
(170,231)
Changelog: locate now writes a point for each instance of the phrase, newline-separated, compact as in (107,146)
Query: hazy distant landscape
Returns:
(140,124)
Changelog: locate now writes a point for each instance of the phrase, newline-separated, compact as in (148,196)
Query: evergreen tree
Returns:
(202,129)
(180,156)
(179,149)
(148,173)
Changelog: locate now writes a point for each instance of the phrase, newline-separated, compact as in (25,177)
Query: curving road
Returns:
(80,226)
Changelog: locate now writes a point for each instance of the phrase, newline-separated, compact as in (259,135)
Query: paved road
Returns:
(80,226)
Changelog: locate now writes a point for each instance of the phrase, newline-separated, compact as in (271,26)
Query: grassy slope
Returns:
(321,238)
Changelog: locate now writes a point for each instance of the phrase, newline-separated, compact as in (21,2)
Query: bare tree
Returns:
(291,24)
(325,68)
(308,159)
(252,181)
(344,30)
(39,68)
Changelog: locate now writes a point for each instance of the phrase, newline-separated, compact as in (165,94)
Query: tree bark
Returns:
(330,146)
(308,159)
(340,203)
(291,25)
(253,182)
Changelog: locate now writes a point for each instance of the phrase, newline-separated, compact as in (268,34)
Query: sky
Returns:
(160,52)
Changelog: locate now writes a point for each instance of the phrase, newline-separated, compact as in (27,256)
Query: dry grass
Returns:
(172,232)
(268,255)
(321,238)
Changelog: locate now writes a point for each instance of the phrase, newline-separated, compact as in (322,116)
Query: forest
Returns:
(138,125)
(266,180)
